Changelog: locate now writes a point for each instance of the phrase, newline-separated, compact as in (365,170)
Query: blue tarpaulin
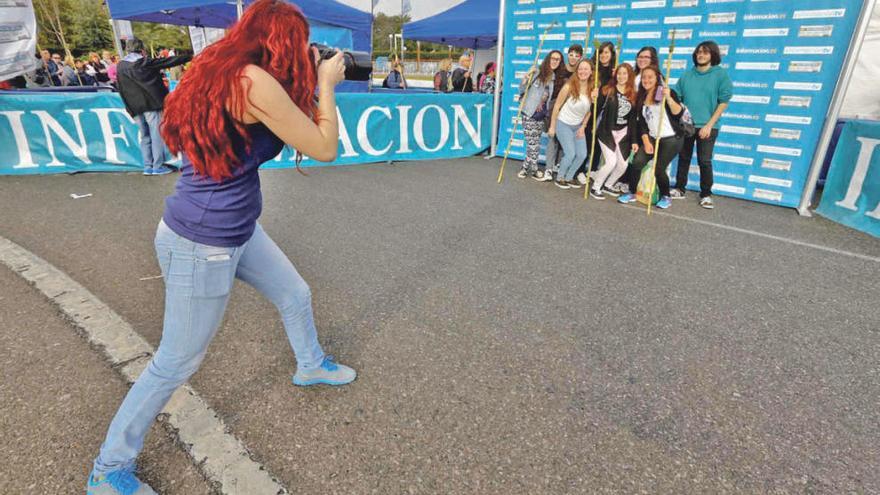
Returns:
(332,23)
(471,24)
(218,14)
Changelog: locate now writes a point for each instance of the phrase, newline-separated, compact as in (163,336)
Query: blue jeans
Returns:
(198,280)
(573,147)
(152,146)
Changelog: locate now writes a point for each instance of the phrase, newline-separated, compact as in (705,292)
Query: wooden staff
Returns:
(653,177)
(522,100)
(596,46)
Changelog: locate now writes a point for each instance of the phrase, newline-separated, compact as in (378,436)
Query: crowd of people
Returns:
(563,98)
(55,70)
(449,78)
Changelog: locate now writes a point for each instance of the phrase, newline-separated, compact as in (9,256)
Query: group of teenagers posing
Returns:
(559,98)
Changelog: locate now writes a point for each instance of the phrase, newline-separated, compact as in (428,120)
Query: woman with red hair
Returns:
(243,99)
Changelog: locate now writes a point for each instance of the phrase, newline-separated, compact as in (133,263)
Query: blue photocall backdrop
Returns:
(61,133)
(784,58)
(852,190)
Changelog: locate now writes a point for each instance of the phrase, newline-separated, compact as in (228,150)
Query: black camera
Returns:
(358,65)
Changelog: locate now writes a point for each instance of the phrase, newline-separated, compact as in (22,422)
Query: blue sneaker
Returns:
(329,373)
(119,482)
(162,170)
(148,170)
(664,203)
(627,198)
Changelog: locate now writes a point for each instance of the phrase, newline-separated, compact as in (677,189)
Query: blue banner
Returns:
(852,190)
(55,133)
(784,59)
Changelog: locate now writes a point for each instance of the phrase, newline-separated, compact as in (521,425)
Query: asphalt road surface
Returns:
(509,339)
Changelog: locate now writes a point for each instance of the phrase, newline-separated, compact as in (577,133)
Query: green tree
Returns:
(90,27)
(160,36)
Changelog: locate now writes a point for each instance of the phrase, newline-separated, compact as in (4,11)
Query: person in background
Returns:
(443,76)
(68,75)
(535,99)
(569,121)
(395,79)
(111,70)
(553,153)
(82,73)
(487,81)
(648,102)
(55,68)
(606,61)
(143,91)
(100,70)
(646,57)
(462,81)
(106,58)
(706,90)
(616,130)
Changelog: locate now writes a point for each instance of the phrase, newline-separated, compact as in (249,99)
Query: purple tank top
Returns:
(222,213)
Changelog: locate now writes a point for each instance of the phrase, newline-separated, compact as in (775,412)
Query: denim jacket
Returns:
(536,94)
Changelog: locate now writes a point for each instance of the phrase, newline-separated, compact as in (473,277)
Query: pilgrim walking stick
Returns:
(596,46)
(522,100)
(653,177)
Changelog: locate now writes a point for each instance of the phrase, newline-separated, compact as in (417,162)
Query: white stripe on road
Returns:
(220,456)
(760,234)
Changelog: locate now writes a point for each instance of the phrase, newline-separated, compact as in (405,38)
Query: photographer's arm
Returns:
(268,103)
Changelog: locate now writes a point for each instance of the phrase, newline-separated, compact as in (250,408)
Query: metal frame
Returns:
(499,80)
(833,114)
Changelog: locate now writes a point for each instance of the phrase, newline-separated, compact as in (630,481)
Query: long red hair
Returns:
(629,87)
(198,119)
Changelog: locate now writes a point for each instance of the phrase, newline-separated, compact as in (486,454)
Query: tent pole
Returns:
(239,8)
(849,65)
(496,104)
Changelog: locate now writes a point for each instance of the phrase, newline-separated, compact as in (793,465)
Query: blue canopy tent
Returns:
(331,23)
(470,24)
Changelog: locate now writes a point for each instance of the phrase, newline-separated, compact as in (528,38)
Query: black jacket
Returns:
(461,83)
(608,107)
(140,82)
(674,119)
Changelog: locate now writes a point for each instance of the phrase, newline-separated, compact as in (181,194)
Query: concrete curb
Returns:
(221,457)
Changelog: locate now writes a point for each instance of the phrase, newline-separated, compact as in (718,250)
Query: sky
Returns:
(420,8)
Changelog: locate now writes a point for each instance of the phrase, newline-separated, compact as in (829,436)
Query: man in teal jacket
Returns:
(706,90)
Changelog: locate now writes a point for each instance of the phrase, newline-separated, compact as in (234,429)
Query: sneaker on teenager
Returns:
(329,373)
(522,174)
(575,184)
(162,170)
(622,187)
(538,175)
(546,176)
(562,184)
(664,203)
(677,194)
(148,170)
(627,198)
(120,482)
(611,191)
(707,203)
(582,178)
(597,195)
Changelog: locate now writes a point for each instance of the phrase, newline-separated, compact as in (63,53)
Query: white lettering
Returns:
(474,133)
(110,137)
(364,139)
(418,128)
(347,148)
(80,150)
(403,110)
(24,151)
(858,177)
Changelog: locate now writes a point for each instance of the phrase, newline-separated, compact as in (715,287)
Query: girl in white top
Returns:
(569,120)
